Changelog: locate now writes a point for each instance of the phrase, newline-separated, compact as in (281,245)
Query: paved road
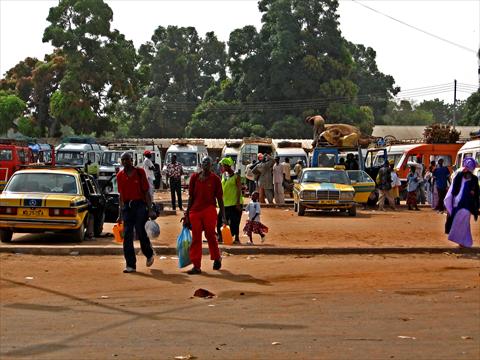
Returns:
(266,307)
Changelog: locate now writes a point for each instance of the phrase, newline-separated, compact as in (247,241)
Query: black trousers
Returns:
(135,216)
(233,216)
(176,188)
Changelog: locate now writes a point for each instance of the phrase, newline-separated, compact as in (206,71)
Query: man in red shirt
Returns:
(205,190)
(135,207)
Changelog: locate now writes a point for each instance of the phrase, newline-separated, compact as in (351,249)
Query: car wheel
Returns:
(6,236)
(352,211)
(79,234)
(301,210)
(98,223)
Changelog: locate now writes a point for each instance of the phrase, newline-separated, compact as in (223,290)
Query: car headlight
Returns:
(308,195)
(347,195)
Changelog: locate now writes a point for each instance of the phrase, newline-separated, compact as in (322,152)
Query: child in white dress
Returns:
(253,224)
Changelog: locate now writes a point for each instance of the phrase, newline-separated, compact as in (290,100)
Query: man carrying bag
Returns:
(135,207)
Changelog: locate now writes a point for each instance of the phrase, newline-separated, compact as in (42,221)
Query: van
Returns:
(231,150)
(189,154)
(250,149)
(77,154)
(13,155)
(402,154)
(469,149)
(294,152)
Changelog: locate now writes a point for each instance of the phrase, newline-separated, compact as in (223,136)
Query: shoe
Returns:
(129,270)
(417,209)
(150,260)
(217,264)
(194,271)
(236,242)
(249,243)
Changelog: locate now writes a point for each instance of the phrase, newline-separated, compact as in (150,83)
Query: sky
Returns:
(424,44)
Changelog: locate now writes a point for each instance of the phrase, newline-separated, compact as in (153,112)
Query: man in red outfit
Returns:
(205,190)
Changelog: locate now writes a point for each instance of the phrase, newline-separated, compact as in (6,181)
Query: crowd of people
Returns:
(217,185)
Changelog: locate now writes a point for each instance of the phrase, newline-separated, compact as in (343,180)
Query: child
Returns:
(413,183)
(253,224)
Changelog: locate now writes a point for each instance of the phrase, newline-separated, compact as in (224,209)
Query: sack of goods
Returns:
(152,229)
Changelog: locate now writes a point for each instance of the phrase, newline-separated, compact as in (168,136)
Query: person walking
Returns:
(253,225)
(413,182)
(420,170)
(265,179)
(396,183)
(174,174)
(384,182)
(135,207)
(441,175)
(149,169)
(430,188)
(287,176)
(204,192)
(462,201)
(278,178)
(232,200)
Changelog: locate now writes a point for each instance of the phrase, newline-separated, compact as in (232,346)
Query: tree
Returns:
(100,62)
(404,113)
(11,108)
(441,112)
(472,110)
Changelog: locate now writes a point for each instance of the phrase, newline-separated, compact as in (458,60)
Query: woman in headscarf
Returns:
(205,190)
(461,202)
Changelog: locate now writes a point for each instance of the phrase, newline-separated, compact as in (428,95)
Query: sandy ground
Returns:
(266,307)
(369,228)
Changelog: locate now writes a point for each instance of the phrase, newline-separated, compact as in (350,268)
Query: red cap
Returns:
(147,152)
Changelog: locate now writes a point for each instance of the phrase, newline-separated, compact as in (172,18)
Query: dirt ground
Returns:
(369,228)
(266,307)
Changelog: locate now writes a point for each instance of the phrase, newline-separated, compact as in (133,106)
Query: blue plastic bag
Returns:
(184,241)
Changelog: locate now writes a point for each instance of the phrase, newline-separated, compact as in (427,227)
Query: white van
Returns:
(294,154)
(469,149)
(76,154)
(250,149)
(189,154)
(232,150)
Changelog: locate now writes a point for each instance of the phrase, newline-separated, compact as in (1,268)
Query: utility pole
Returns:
(454,103)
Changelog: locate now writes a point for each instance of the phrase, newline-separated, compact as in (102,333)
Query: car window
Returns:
(447,159)
(6,155)
(357,176)
(184,158)
(43,182)
(477,159)
(326,160)
(69,157)
(21,156)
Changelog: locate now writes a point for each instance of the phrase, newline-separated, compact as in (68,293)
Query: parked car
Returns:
(324,189)
(50,199)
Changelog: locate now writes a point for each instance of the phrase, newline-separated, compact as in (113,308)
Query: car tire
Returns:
(352,211)
(98,222)
(79,234)
(301,210)
(6,236)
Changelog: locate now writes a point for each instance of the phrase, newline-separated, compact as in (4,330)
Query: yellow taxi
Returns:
(324,189)
(363,185)
(50,200)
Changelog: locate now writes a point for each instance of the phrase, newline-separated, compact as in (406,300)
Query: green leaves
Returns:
(11,108)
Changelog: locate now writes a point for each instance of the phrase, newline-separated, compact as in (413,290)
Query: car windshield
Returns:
(294,160)
(184,158)
(111,158)
(53,183)
(326,176)
(70,157)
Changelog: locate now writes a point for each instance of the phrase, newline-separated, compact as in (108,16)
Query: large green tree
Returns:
(100,62)
(472,110)
(11,108)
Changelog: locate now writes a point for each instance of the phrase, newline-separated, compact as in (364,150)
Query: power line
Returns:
(415,28)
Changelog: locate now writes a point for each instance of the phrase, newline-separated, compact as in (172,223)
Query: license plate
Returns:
(32,212)
(327,202)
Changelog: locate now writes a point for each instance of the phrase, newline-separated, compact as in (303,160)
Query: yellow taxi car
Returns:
(50,200)
(324,189)
(363,185)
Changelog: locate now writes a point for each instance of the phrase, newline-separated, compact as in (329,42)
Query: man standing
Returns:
(174,173)
(278,177)
(265,179)
(384,182)
(441,175)
(420,171)
(297,169)
(135,207)
(149,168)
(287,176)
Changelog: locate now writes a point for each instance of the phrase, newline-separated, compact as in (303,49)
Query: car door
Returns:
(363,185)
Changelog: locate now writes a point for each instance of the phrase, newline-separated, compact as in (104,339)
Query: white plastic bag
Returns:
(152,229)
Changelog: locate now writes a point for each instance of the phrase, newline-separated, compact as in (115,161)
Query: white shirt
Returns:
(147,164)
(253,208)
